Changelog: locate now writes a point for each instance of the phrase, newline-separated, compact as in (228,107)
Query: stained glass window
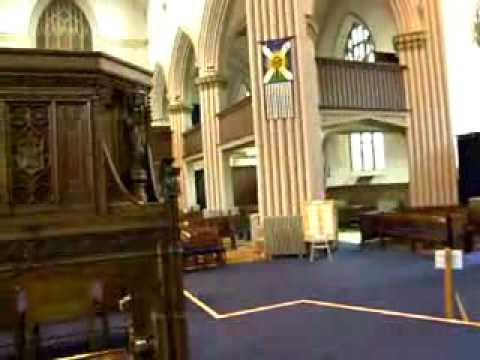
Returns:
(367,151)
(64,26)
(360,45)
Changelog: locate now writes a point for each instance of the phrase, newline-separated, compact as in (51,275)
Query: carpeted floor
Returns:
(393,280)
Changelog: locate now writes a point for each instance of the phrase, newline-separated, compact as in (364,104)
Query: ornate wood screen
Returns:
(64,26)
(47,143)
(30,129)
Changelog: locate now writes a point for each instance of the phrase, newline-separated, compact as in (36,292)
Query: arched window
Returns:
(64,26)
(360,45)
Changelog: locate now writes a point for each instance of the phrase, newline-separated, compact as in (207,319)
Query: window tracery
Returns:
(64,26)
(360,45)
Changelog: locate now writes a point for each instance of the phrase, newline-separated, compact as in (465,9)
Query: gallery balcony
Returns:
(192,141)
(236,122)
(349,85)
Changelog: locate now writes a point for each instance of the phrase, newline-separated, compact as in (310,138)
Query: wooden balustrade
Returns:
(192,141)
(236,122)
(363,86)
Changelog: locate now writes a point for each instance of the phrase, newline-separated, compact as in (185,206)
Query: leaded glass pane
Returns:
(367,150)
(64,26)
(356,151)
(360,45)
(379,148)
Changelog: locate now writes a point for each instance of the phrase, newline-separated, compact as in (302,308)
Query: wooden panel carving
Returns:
(3,156)
(73,146)
(30,161)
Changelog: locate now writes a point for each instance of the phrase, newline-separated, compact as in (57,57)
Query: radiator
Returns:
(284,235)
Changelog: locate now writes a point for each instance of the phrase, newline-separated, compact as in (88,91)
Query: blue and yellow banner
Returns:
(278,77)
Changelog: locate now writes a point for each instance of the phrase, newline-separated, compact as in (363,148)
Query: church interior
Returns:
(239,179)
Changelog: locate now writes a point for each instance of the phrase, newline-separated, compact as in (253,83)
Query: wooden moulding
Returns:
(70,62)
(4,193)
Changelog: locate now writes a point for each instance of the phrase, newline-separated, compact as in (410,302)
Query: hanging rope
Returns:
(117,178)
(156,183)
(461,307)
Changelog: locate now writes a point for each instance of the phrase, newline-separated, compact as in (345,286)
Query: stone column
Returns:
(211,89)
(178,116)
(290,163)
(227,176)
(431,151)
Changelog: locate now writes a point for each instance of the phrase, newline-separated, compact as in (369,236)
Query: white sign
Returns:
(457,259)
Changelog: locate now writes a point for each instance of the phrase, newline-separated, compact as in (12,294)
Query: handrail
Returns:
(117,178)
(192,141)
(348,85)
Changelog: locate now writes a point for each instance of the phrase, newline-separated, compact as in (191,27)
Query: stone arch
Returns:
(213,34)
(83,5)
(158,96)
(364,123)
(408,14)
(183,55)
(211,31)
(223,47)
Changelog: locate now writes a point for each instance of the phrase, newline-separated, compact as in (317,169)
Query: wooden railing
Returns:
(362,86)
(192,141)
(236,122)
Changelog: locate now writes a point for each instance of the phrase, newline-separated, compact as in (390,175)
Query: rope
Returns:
(461,307)
(117,178)
(155,181)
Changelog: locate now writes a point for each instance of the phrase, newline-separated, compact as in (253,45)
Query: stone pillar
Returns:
(227,176)
(290,159)
(178,116)
(211,89)
(431,151)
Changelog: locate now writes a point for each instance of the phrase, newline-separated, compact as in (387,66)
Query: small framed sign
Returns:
(457,259)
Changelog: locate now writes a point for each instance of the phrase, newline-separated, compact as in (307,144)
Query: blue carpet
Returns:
(392,279)
(308,333)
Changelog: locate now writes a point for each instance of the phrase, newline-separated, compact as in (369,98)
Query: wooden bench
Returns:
(202,247)
(227,226)
(435,227)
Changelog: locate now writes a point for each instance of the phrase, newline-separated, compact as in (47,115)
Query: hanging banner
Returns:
(278,78)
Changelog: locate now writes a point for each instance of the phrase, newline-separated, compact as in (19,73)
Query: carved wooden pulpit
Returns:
(84,239)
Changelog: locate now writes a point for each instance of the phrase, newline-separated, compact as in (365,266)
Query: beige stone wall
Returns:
(119,27)
(338,157)
(463,59)
(337,22)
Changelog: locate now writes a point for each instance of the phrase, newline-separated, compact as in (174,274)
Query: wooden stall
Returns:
(434,227)
(81,228)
